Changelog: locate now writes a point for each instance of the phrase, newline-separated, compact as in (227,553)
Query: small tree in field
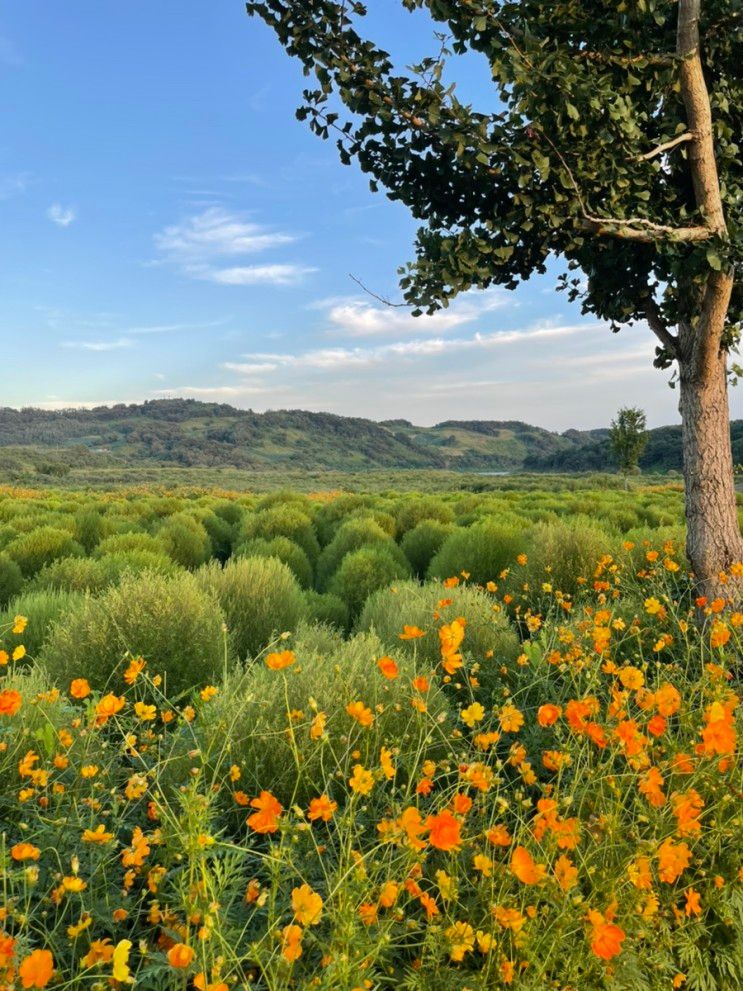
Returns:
(628,439)
(612,141)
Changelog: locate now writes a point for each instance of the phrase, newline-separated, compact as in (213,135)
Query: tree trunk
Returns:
(713,533)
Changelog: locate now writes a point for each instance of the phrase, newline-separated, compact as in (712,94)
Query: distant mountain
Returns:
(190,433)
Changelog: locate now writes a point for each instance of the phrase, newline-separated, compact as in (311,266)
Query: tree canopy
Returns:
(584,157)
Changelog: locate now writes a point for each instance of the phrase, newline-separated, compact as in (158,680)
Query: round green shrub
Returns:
(285,550)
(423,542)
(249,719)
(42,608)
(260,598)
(414,511)
(326,608)
(487,630)
(73,574)
(132,540)
(11,579)
(220,534)
(284,520)
(33,550)
(136,561)
(351,536)
(171,621)
(333,514)
(560,553)
(482,551)
(185,540)
(89,529)
(364,571)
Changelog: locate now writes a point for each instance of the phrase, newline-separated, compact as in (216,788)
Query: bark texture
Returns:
(713,533)
(714,540)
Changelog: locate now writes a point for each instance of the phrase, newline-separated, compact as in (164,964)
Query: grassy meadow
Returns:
(438,733)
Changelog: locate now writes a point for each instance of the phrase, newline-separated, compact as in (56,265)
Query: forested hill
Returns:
(187,432)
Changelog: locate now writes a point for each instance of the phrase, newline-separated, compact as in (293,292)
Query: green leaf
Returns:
(713,259)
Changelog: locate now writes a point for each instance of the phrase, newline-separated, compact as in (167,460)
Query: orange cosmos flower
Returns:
(291,939)
(10,702)
(321,808)
(307,905)
(79,688)
(640,874)
(136,667)
(388,667)
(97,835)
(36,969)
(693,904)
(282,659)
(180,956)
(317,727)
(444,831)
(108,706)
(524,868)
(667,700)
(673,859)
(687,807)
(606,938)
(498,836)
(566,873)
(361,713)
(548,714)
(411,633)
(266,819)
(511,720)
(411,822)
(25,851)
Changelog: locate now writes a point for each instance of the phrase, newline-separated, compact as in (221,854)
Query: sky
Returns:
(168,228)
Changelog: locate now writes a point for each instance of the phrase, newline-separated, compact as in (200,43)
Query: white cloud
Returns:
(60,215)
(359,357)
(216,232)
(207,392)
(357,317)
(199,243)
(114,345)
(253,275)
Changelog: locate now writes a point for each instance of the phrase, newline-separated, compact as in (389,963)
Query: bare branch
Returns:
(381,299)
(687,136)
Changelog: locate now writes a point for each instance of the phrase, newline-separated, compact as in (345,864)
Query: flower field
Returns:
(522,773)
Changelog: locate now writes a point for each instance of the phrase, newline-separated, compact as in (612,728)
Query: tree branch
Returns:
(660,328)
(687,136)
(644,231)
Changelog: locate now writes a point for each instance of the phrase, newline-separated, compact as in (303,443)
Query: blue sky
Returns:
(169,229)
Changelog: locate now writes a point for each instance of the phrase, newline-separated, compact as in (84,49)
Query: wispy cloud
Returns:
(358,317)
(259,363)
(60,215)
(117,344)
(253,275)
(173,328)
(199,243)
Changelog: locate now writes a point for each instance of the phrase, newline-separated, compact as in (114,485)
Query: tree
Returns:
(628,438)
(613,145)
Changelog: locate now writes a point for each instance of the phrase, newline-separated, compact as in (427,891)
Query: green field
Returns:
(373,731)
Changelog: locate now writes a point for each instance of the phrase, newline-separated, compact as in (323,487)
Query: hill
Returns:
(185,432)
